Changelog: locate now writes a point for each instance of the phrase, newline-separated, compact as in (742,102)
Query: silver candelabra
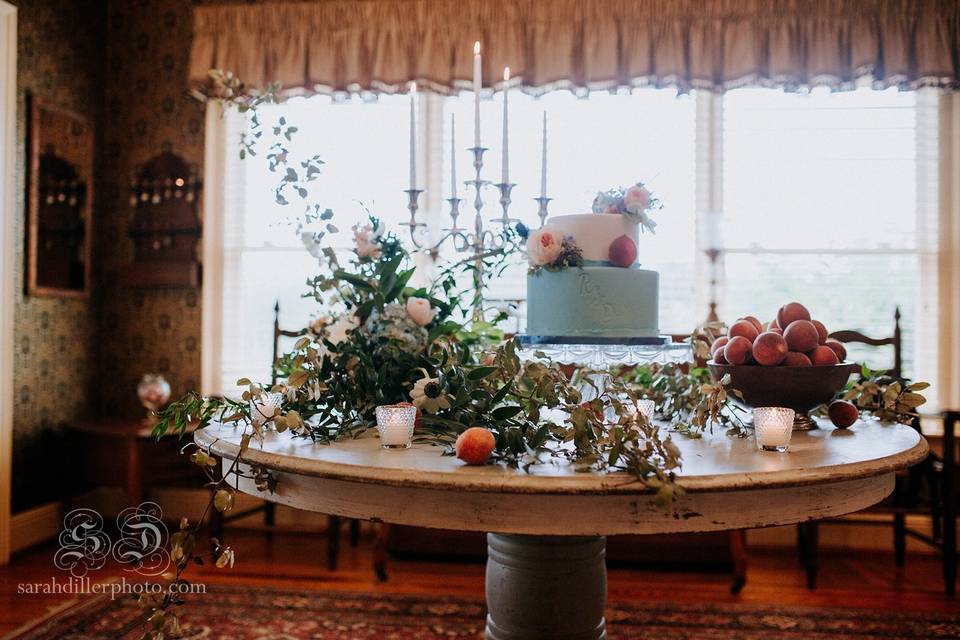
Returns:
(480,241)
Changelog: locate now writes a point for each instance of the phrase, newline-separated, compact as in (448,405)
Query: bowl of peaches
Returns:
(790,362)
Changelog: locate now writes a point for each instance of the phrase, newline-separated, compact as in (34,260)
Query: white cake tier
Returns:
(593,232)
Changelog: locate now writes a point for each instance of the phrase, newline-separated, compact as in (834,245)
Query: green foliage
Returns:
(887,398)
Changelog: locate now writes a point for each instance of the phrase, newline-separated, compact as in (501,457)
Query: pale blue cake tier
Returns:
(594,301)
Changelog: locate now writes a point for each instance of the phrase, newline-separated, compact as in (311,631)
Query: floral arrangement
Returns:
(383,341)
(548,248)
(634,202)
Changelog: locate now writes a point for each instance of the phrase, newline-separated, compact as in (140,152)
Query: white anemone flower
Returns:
(427,394)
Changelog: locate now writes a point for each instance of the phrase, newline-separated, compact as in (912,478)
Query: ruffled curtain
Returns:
(342,45)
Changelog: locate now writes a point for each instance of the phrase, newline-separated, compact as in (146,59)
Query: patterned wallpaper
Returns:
(58,59)
(146,111)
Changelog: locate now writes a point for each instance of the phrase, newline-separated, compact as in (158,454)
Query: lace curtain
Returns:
(337,45)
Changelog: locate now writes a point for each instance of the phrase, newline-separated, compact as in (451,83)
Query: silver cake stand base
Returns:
(601,353)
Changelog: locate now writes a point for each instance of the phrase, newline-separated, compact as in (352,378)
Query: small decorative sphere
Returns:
(843,414)
(769,349)
(475,445)
(739,350)
(801,335)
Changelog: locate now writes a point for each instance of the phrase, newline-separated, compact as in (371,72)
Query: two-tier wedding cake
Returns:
(584,279)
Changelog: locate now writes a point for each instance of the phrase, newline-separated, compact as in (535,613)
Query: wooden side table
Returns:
(120,452)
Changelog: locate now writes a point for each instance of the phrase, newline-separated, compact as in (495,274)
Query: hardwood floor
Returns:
(848,578)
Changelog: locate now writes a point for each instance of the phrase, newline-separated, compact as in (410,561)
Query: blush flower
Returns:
(365,238)
(636,199)
(337,332)
(544,246)
(420,311)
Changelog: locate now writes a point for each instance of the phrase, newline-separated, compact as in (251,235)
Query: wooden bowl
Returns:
(799,388)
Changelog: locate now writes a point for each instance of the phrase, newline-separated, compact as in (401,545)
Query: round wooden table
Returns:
(546,576)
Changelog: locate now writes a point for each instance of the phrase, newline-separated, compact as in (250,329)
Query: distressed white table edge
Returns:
(728,483)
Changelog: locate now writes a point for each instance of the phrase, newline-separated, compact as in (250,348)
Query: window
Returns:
(829,198)
(824,197)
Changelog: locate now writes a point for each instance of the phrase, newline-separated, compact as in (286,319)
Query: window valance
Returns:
(335,45)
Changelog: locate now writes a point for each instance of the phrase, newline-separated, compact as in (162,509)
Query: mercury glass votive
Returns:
(773,427)
(646,408)
(265,406)
(395,425)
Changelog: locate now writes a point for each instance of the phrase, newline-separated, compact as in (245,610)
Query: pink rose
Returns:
(420,311)
(637,199)
(365,238)
(544,246)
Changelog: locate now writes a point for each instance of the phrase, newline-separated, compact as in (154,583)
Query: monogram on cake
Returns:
(585,280)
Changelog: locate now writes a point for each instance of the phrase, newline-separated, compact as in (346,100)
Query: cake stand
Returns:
(601,353)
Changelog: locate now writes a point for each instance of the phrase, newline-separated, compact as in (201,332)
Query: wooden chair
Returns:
(934,473)
(334,523)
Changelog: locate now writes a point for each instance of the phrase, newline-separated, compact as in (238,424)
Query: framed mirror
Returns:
(59,202)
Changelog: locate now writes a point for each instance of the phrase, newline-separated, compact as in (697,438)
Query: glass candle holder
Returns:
(395,425)
(646,408)
(773,427)
(264,407)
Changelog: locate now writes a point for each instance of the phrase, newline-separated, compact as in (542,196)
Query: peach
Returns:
(796,359)
(719,358)
(773,324)
(718,344)
(838,348)
(738,350)
(770,349)
(801,335)
(475,445)
(755,322)
(791,312)
(823,356)
(743,328)
(622,251)
(843,413)
(822,332)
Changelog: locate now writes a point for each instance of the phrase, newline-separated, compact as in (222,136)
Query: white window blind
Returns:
(826,198)
(830,199)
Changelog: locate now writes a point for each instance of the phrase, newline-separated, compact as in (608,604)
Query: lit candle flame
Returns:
(506,74)
(476,48)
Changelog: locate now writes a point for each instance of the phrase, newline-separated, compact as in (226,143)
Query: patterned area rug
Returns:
(244,613)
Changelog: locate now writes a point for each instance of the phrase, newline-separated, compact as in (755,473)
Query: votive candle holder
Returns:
(264,407)
(773,427)
(395,425)
(646,407)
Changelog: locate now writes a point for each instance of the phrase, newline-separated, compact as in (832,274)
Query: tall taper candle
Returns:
(543,160)
(453,155)
(477,85)
(413,135)
(505,163)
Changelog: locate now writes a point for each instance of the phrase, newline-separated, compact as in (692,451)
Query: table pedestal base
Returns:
(541,587)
